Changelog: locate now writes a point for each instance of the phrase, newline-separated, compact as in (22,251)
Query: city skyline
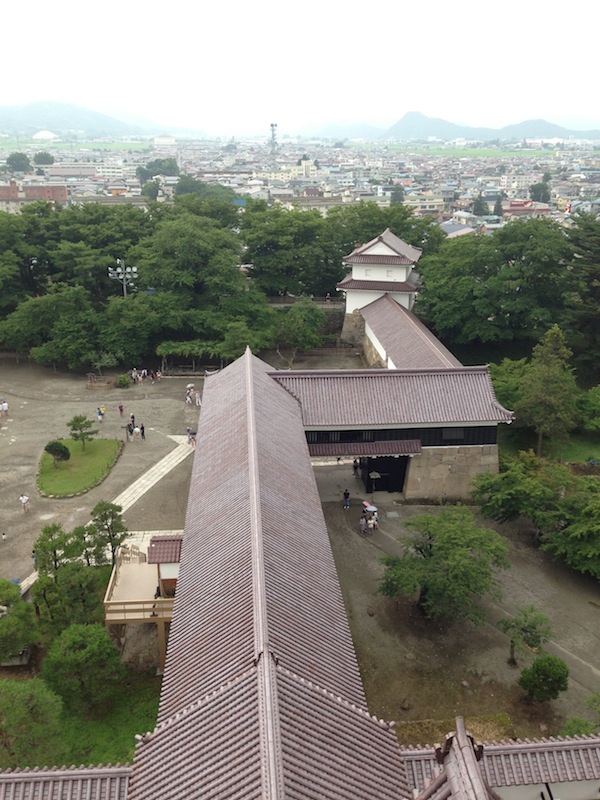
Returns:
(231,70)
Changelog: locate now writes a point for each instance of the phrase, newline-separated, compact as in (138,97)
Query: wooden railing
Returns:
(119,612)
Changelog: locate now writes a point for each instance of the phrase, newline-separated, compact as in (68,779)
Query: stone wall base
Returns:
(446,473)
(353,329)
(372,357)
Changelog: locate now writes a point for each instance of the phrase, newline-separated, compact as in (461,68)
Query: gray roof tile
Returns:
(394,398)
(74,783)
(261,670)
(165,550)
(407,341)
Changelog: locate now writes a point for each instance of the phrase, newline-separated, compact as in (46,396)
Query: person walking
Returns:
(363,524)
(99,414)
(143,431)
(24,502)
(355,466)
(198,401)
(370,524)
(346,499)
(121,409)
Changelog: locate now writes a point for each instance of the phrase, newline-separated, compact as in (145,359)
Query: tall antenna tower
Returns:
(273,138)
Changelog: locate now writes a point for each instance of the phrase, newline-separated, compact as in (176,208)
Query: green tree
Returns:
(107,528)
(151,190)
(83,667)
(18,162)
(81,429)
(512,285)
(450,562)
(58,451)
(159,166)
(299,327)
(73,596)
(590,409)
(397,196)
(54,548)
(584,238)
(30,720)
(528,629)
(498,210)
(43,157)
(576,535)
(550,397)
(526,487)
(539,192)
(545,679)
(18,626)
(292,252)
(480,207)
(508,378)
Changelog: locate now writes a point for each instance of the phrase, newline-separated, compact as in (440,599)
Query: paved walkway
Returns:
(149,479)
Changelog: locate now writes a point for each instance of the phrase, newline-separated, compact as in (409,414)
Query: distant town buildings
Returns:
(442,184)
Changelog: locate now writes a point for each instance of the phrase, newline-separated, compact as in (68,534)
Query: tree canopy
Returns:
(545,679)
(83,666)
(18,162)
(512,285)
(549,398)
(449,562)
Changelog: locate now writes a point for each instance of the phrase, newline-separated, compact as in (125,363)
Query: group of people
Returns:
(369,518)
(135,431)
(368,522)
(192,395)
(140,375)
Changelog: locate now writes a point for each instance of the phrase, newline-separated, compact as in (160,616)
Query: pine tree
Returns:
(549,403)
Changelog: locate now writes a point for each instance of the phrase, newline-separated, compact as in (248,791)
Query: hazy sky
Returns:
(233,67)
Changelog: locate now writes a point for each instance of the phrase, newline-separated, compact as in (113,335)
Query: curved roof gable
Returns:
(399,251)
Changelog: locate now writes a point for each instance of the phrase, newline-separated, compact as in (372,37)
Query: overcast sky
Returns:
(230,68)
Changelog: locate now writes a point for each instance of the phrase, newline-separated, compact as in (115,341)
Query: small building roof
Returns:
(402,252)
(164,550)
(406,340)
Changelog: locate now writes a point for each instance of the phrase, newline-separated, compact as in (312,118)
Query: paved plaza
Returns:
(150,480)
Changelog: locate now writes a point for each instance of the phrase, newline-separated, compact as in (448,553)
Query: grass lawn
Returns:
(109,738)
(577,449)
(85,469)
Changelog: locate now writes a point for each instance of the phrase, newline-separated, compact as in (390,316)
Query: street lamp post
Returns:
(126,275)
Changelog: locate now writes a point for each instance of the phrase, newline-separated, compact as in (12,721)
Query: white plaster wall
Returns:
(357,299)
(379,272)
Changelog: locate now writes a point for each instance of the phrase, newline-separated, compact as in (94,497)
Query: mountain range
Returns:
(67,120)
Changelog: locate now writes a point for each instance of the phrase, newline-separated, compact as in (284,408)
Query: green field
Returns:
(577,449)
(85,469)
